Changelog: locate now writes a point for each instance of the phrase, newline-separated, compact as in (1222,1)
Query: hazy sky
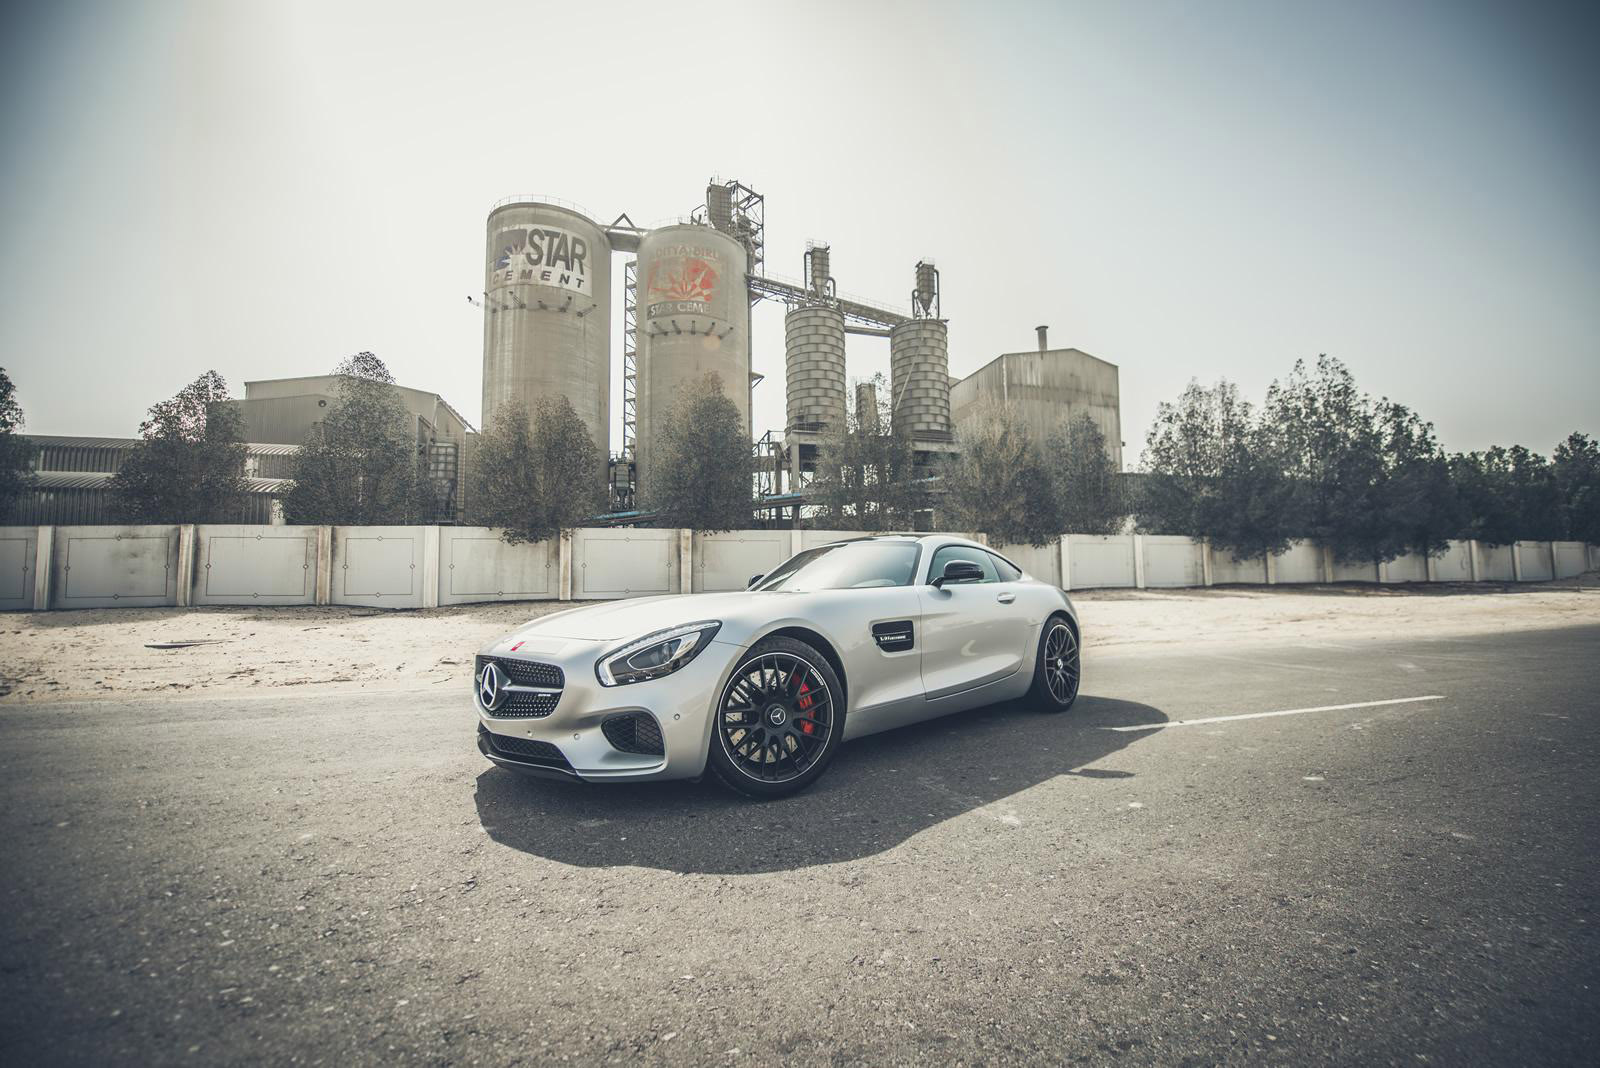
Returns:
(1184,189)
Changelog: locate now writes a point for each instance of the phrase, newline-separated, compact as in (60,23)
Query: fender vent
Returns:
(894,637)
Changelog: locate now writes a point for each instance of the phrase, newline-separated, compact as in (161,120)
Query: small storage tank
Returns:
(813,349)
(546,321)
(919,378)
(694,317)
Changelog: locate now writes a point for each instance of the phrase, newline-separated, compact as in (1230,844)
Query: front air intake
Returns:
(636,732)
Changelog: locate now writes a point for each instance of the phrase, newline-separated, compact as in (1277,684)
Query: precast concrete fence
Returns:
(424,567)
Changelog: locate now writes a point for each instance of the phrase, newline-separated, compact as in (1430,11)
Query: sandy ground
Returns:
(73,655)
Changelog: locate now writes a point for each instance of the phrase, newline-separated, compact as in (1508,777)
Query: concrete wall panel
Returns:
(1569,559)
(115,567)
(1227,568)
(1536,563)
(611,564)
(811,538)
(381,567)
(727,561)
(1101,561)
(1042,562)
(1454,564)
(18,546)
(255,565)
(476,564)
(1301,562)
(1354,571)
(1412,567)
(1494,563)
(1172,561)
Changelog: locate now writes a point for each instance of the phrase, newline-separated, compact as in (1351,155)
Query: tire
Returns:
(1057,667)
(771,735)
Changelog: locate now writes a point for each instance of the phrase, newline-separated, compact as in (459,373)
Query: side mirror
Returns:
(959,571)
(753,580)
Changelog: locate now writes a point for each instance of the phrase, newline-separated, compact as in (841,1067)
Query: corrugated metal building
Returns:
(81,498)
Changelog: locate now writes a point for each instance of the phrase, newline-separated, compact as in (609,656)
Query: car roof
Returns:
(910,537)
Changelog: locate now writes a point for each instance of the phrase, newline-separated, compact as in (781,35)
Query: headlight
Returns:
(656,654)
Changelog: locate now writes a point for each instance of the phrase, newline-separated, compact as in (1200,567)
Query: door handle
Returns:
(1005,598)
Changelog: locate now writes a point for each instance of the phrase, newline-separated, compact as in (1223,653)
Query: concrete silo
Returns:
(813,346)
(694,317)
(919,378)
(547,321)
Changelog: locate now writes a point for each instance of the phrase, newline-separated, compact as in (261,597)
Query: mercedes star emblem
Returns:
(491,687)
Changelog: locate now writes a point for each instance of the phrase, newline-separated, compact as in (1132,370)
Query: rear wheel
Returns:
(1056,674)
(779,720)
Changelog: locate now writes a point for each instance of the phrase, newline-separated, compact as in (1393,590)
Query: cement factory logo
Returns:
(681,280)
(542,256)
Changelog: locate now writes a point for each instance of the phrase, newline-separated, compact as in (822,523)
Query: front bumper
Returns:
(681,705)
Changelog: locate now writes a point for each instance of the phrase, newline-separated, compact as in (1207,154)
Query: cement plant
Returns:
(551,278)
(688,290)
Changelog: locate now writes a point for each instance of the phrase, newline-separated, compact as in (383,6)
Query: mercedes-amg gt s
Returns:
(762,686)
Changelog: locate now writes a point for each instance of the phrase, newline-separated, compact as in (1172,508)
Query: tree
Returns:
(1333,445)
(189,466)
(1537,495)
(1422,509)
(16,451)
(699,476)
(867,477)
(361,465)
(1215,469)
(1088,484)
(998,482)
(1577,471)
(1484,485)
(535,478)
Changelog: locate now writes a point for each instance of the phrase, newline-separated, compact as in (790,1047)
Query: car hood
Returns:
(638,616)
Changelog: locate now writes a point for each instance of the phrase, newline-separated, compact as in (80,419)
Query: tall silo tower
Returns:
(813,349)
(919,363)
(547,321)
(694,317)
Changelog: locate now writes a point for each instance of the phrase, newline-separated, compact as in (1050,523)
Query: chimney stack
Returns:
(867,407)
(1043,345)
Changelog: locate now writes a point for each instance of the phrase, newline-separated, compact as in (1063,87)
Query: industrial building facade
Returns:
(1045,389)
(72,475)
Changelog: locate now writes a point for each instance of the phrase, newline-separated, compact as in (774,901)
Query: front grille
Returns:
(526,750)
(525,672)
(637,732)
(521,704)
(527,705)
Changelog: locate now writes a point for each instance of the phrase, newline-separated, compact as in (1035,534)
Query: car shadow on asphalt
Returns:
(879,792)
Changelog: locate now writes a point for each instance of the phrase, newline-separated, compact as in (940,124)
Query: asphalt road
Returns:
(345,880)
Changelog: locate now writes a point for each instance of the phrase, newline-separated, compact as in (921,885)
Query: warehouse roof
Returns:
(100,480)
(70,442)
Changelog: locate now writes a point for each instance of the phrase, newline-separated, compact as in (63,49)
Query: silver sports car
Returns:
(763,686)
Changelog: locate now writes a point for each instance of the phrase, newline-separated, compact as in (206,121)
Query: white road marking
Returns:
(1283,712)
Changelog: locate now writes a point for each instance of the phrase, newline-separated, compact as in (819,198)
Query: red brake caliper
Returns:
(805,703)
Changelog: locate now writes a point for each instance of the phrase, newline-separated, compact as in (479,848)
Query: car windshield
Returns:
(851,565)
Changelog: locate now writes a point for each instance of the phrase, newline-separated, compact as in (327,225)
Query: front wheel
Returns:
(779,720)
(1056,674)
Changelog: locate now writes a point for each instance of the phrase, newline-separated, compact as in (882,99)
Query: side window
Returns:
(964,552)
(1008,571)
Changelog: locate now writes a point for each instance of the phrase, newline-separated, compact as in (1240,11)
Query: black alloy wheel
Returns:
(779,720)
(1056,675)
